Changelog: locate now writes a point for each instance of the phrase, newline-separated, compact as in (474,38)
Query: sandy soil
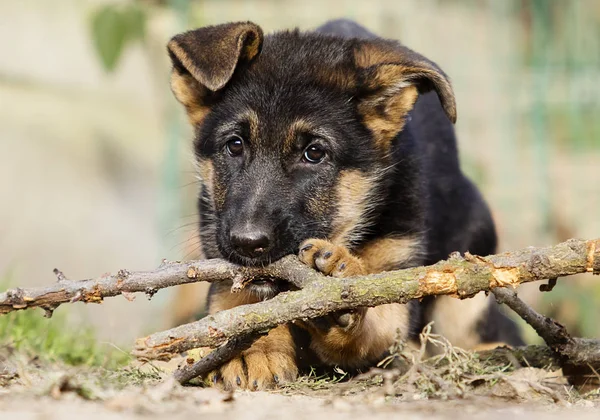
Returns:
(30,389)
(211,403)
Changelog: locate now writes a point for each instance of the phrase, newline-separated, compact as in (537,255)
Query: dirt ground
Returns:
(31,389)
(190,402)
(262,405)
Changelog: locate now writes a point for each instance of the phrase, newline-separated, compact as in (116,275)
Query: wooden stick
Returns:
(578,351)
(215,358)
(127,283)
(461,277)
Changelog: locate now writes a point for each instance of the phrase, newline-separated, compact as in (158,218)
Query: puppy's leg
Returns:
(269,361)
(473,324)
(351,339)
(458,320)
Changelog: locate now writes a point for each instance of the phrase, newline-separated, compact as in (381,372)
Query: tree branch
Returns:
(234,330)
(579,351)
(552,332)
(320,295)
(126,283)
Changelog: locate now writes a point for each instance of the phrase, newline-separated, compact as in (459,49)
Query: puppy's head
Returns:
(294,131)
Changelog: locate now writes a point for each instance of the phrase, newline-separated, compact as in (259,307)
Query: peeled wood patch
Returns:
(593,266)
(503,277)
(438,282)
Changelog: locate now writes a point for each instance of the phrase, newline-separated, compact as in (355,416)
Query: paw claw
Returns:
(306,247)
(330,259)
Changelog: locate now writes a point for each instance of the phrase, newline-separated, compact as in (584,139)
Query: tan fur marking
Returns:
(206,172)
(254,123)
(352,198)
(227,300)
(316,206)
(457,319)
(230,372)
(297,127)
(389,253)
(377,331)
(189,92)
(387,122)
(371,54)
(270,356)
(251,49)
(216,190)
(392,71)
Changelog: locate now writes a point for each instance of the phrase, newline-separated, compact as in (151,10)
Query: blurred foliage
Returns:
(576,306)
(113,27)
(55,340)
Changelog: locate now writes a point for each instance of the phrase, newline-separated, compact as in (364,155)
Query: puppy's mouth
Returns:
(263,260)
(266,287)
(263,282)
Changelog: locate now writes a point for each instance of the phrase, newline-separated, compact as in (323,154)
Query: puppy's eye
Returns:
(235,146)
(314,154)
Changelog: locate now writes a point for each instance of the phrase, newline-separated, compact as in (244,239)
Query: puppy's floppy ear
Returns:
(391,78)
(205,59)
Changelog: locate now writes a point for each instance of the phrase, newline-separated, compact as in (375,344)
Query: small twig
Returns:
(553,333)
(214,359)
(549,286)
(572,352)
(59,275)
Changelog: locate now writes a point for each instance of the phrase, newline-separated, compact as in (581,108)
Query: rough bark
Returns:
(461,277)
(127,283)
(234,330)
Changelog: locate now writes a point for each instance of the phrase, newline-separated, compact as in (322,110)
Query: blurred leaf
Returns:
(109,32)
(113,27)
(135,22)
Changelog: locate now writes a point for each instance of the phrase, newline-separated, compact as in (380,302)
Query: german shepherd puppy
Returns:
(339,146)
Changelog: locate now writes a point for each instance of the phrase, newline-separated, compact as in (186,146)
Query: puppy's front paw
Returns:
(336,261)
(267,363)
(330,259)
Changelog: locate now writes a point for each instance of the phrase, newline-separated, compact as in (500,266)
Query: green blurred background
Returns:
(96,168)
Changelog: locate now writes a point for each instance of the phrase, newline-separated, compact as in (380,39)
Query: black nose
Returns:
(251,242)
